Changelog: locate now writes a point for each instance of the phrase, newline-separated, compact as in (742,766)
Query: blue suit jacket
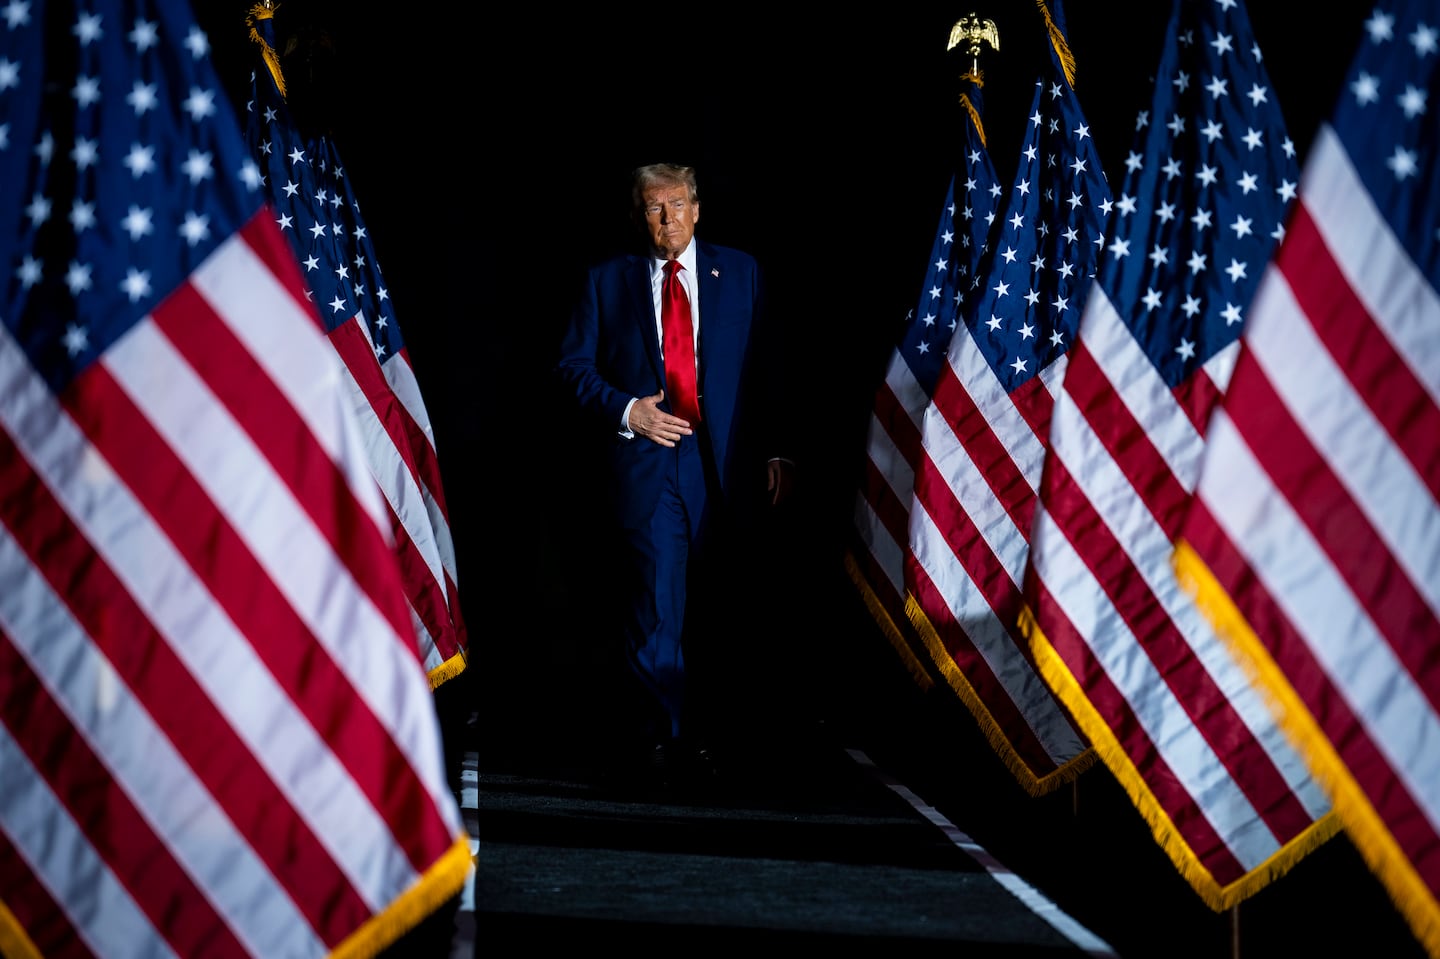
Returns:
(610,352)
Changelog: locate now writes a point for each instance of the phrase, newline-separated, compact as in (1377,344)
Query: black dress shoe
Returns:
(639,770)
(703,764)
(701,769)
(657,768)
(659,760)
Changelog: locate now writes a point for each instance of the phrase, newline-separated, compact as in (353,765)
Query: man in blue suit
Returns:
(682,483)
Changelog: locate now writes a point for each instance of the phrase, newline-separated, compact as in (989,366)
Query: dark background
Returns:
(490,146)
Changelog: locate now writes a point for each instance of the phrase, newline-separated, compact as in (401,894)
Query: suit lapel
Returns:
(638,280)
(714,291)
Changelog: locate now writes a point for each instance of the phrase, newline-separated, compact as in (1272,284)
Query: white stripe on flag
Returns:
(1316,599)
(1149,547)
(183,610)
(401,377)
(141,758)
(401,490)
(57,851)
(285,339)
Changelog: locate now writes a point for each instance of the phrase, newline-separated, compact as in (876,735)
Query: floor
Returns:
(463,943)
(888,827)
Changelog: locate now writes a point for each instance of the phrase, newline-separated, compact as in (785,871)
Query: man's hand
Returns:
(656,425)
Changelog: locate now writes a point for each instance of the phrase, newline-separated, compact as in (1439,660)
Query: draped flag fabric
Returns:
(317,211)
(983,439)
(217,737)
(1313,537)
(1158,694)
(882,507)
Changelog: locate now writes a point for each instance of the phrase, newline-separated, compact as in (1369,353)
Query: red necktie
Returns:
(679,345)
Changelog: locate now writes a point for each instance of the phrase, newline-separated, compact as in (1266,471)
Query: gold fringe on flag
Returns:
(1058,41)
(264,11)
(912,663)
(444,879)
(976,77)
(15,943)
(1106,743)
(447,670)
(1033,784)
(1365,828)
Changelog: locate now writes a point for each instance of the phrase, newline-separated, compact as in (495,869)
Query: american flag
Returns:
(983,438)
(882,506)
(1156,691)
(216,734)
(315,206)
(1316,516)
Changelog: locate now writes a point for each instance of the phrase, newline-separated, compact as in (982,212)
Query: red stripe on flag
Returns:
(992,699)
(890,509)
(270,421)
(273,249)
(893,515)
(424,590)
(1035,403)
(41,917)
(1196,397)
(1207,706)
(1002,594)
(1126,442)
(1139,751)
(358,354)
(988,452)
(119,833)
(893,511)
(1296,660)
(161,683)
(302,667)
(881,586)
(421,444)
(462,633)
(1341,529)
(1262,616)
(951,546)
(1379,373)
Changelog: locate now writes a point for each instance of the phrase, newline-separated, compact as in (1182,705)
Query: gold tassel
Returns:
(264,11)
(1057,40)
(977,78)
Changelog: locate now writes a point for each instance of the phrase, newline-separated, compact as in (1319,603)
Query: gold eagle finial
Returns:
(971,30)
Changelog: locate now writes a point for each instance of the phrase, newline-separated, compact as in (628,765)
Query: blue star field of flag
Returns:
(956,259)
(1385,121)
(1046,248)
(1204,202)
(123,170)
(318,213)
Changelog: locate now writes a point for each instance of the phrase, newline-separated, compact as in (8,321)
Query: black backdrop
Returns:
(490,147)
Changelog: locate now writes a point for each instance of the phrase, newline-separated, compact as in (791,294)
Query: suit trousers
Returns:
(658,563)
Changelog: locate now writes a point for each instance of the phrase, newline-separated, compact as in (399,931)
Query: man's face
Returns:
(670,219)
